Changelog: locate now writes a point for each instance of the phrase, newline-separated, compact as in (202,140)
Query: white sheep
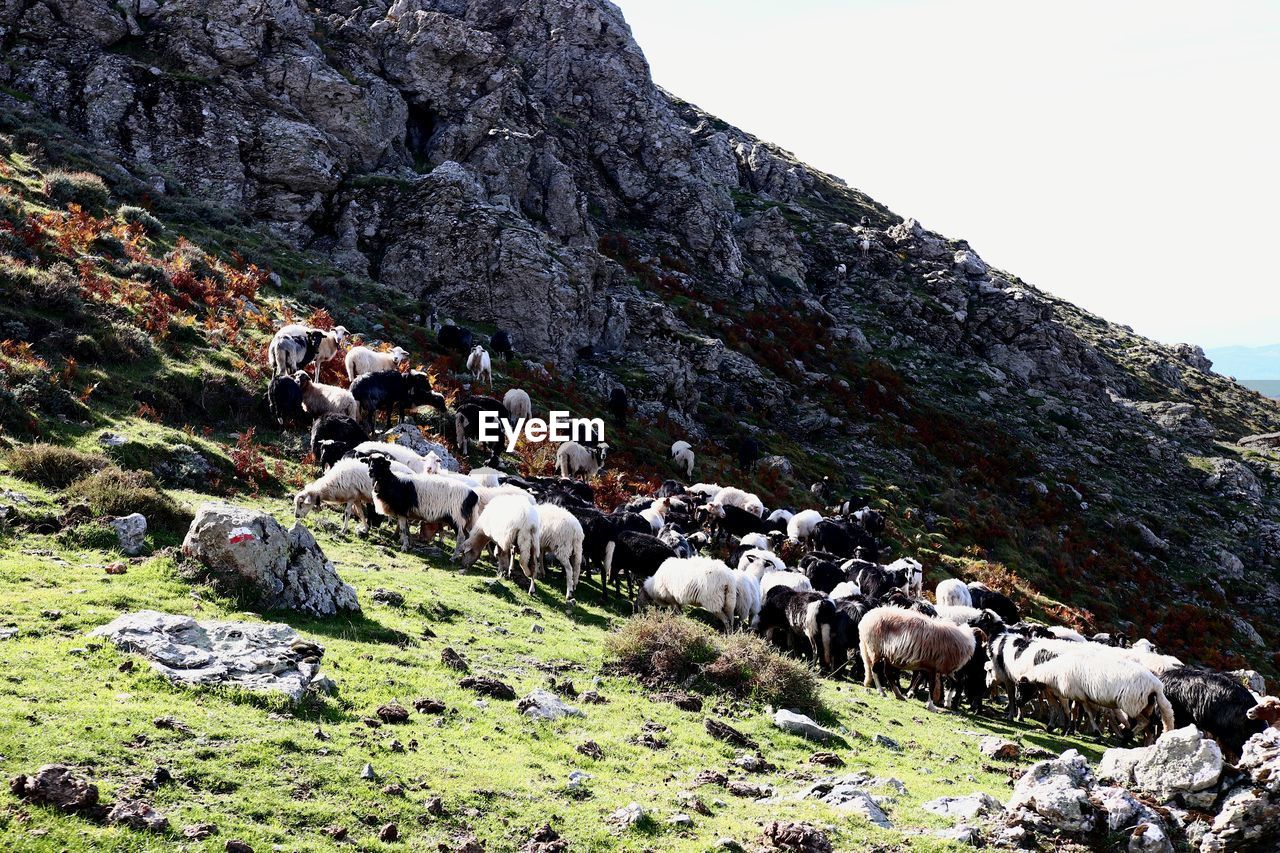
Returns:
(293,344)
(953,593)
(747,608)
(733,496)
(704,491)
(480,366)
(756,540)
(487,494)
(432,463)
(802,523)
(511,525)
(682,455)
(1144,645)
(347,484)
(791,580)
(1064,633)
(518,404)
(405,456)
(361,360)
(319,399)
(783,515)
(698,581)
(758,562)
(959,614)
(488,477)
(574,460)
(421,497)
(561,538)
(656,514)
(845,589)
(1105,682)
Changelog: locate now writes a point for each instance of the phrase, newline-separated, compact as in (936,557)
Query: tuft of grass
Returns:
(139,216)
(52,465)
(662,648)
(83,188)
(115,491)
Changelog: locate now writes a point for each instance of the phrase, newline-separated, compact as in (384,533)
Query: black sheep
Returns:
(637,555)
(284,398)
(748,454)
(844,634)
(875,581)
(897,598)
(332,435)
(872,521)
(808,620)
(669,489)
(500,344)
(599,530)
(619,406)
(455,338)
(970,680)
(737,522)
(823,574)
(985,598)
(391,389)
(1217,704)
(832,536)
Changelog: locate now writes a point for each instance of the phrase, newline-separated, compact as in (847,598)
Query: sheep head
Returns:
(1267,710)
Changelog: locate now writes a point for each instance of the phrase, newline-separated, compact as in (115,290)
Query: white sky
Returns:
(1122,154)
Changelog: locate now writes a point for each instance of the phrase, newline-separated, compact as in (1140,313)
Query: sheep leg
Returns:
(403,524)
(935,693)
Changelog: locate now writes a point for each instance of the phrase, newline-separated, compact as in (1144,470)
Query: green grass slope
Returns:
(257,770)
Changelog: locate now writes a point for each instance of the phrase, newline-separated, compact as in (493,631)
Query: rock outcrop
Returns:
(245,655)
(285,568)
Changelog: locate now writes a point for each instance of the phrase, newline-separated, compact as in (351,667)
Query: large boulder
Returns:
(131,531)
(1181,762)
(286,568)
(247,655)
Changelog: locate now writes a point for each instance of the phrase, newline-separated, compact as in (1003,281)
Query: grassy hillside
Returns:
(257,769)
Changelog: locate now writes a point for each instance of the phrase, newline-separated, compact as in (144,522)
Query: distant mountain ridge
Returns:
(1247,363)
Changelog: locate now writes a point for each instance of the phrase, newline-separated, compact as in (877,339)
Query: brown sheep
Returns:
(911,641)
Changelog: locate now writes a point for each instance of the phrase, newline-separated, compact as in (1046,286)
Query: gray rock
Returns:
(681,820)
(408,435)
(112,439)
(251,656)
(975,805)
(544,705)
(137,814)
(131,531)
(969,264)
(781,464)
(961,835)
(852,799)
(286,569)
(1181,761)
(1251,679)
(628,815)
(999,748)
(888,743)
(1234,479)
(799,724)
(1053,795)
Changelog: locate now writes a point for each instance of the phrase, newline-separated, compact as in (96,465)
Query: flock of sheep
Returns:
(718,548)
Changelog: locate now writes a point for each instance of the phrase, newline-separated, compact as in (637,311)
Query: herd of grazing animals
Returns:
(719,549)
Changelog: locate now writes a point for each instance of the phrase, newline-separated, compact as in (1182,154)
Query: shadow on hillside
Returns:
(356,629)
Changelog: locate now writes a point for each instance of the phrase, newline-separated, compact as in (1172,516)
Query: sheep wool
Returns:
(697,581)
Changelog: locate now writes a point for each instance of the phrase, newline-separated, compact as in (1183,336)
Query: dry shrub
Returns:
(83,188)
(748,667)
(115,491)
(663,648)
(53,466)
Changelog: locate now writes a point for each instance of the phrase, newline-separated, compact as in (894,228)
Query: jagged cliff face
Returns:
(513,163)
